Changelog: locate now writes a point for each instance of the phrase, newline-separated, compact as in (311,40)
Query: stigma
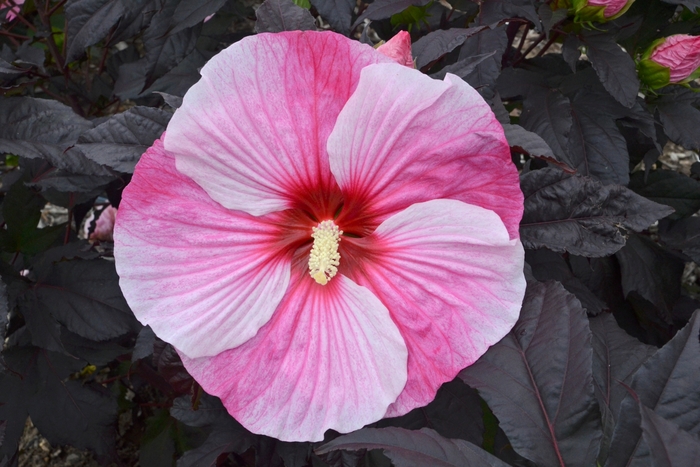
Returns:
(324,258)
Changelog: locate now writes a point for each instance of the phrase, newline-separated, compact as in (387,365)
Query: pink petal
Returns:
(330,358)
(252,132)
(398,48)
(203,277)
(405,138)
(453,282)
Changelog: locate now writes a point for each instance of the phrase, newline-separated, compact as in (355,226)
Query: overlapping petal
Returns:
(404,138)
(205,278)
(452,280)
(330,357)
(252,132)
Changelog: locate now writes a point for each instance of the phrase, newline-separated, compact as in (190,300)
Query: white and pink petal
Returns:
(252,132)
(453,282)
(405,138)
(330,358)
(205,278)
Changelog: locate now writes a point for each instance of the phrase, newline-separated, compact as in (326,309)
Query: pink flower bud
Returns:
(599,11)
(612,7)
(104,226)
(398,48)
(680,54)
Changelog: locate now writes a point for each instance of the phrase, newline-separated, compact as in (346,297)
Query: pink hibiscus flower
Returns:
(326,236)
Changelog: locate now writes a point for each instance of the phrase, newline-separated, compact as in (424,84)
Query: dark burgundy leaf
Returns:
(614,67)
(652,272)
(338,13)
(65,411)
(692,5)
(88,22)
(157,448)
(551,17)
(570,51)
(381,9)
(616,358)
(84,296)
(596,147)
(547,265)
(44,330)
(464,67)
(177,81)
(173,101)
(668,444)
(454,413)
(565,212)
(671,188)
(9,71)
(39,128)
(190,13)
(488,41)
(547,112)
(437,43)
(144,344)
(528,142)
(413,448)
(137,16)
(80,249)
(666,383)
(21,211)
(171,368)
(4,310)
(494,11)
(225,433)
(538,380)
(684,235)
(165,48)
(32,54)
(94,352)
(680,117)
(119,142)
(283,15)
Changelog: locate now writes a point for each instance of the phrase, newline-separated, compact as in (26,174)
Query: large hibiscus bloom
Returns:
(324,235)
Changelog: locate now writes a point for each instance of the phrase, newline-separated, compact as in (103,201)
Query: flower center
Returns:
(324,258)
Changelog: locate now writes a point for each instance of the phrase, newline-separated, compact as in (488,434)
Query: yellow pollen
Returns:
(324,258)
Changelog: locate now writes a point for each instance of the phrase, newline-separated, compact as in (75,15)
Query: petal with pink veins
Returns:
(330,358)
(453,282)
(404,138)
(203,277)
(252,132)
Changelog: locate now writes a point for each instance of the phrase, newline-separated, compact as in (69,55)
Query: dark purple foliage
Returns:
(89,85)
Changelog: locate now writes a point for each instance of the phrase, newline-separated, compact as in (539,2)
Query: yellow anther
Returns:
(324,258)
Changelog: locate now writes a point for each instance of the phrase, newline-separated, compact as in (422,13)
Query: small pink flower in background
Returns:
(398,48)
(104,226)
(15,7)
(324,235)
(680,54)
